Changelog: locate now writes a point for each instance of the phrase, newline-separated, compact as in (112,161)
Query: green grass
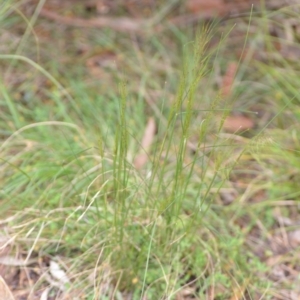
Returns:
(70,190)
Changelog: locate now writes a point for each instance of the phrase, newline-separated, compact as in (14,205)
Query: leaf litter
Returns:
(278,243)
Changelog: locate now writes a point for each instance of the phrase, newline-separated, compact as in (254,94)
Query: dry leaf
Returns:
(58,273)
(210,8)
(206,8)
(294,238)
(237,123)
(228,79)
(45,294)
(147,141)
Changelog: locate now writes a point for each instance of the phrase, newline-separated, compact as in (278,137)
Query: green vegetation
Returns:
(208,212)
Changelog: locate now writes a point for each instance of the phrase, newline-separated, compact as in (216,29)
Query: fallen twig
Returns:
(119,24)
(124,24)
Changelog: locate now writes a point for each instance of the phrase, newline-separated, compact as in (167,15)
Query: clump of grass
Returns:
(91,205)
(70,189)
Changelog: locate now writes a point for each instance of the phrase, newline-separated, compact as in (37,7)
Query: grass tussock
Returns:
(205,213)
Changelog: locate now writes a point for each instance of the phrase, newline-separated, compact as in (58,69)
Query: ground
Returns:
(149,150)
